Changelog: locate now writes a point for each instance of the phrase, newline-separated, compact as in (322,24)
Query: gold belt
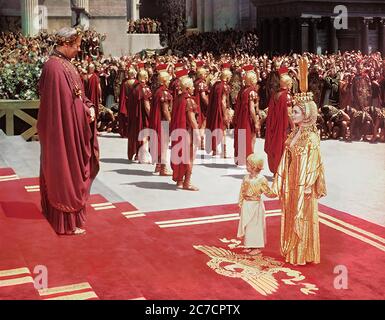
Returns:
(252,198)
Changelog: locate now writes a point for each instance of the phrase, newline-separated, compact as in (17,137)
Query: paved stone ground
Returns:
(355,177)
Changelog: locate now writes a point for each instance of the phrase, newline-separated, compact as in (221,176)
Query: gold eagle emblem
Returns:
(257,270)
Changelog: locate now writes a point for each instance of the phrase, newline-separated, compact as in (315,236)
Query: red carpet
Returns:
(127,254)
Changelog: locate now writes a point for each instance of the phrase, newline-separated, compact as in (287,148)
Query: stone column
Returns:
(381,36)
(80,13)
(293,32)
(200,16)
(313,36)
(83,4)
(84,18)
(189,15)
(29,17)
(282,34)
(271,34)
(364,36)
(208,16)
(253,15)
(304,35)
(132,10)
(263,38)
(287,32)
(333,44)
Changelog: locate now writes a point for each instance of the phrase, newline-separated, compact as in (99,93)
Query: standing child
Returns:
(252,214)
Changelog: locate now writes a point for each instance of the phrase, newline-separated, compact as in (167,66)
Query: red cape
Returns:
(138,120)
(122,116)
(202,109)
(174,88)
(215,114)
(277,123)
(178,121)
(156,117)
(92,90)
(243,121)
(69,146)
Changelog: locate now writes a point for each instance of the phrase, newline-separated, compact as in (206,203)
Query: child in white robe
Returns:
(252,210)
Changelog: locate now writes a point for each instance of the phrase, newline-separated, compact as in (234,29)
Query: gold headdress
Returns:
(304,100)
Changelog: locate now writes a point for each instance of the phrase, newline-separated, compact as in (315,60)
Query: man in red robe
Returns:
(93,89)
(184,125)
(122,111)
(217,115)
(130,88)
(160,117)
(277,121)
(247,124)
(67,132)
(174,84)
(124,97)
(201,94)
(141,105)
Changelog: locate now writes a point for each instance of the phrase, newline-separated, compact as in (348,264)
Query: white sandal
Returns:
(79,231)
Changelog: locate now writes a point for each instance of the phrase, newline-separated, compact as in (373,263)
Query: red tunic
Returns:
(69,148)
(92,90)
(243,121)
(277,123)
(180,121)
(175,88)
(162,95)
(215,116)
(139,120)
(123,113)
(200,87)
(130,104)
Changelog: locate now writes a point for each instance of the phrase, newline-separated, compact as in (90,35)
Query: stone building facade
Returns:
(106,17)
(283,26)
(214,15)
(308,25)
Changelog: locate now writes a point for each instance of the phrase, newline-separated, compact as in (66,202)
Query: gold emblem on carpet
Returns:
(257,270)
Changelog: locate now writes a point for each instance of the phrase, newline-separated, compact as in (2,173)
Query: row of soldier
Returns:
(183,101)
(209,107)
(351,117)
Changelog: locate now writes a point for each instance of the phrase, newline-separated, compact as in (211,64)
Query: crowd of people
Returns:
(233,42)
(16,48)
(144,25)
(22,58)
(348,87)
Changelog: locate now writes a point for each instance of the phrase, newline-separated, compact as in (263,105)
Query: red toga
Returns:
(243,121)
(138,117)
(178,121)
(69,147)
(175,88)
(277,123)
(161,95)
(123,113)
(200,86)
(92,90)
(215,116)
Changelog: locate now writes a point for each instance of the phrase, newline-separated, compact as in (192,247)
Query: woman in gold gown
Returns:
(300,182)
